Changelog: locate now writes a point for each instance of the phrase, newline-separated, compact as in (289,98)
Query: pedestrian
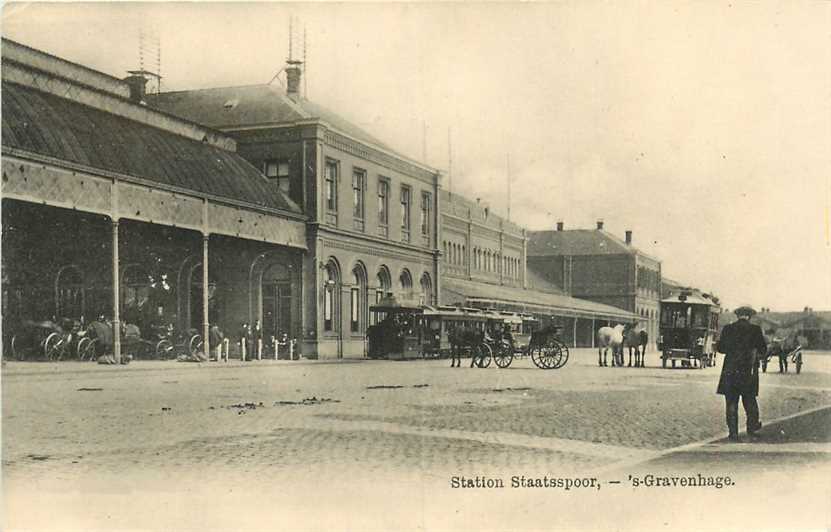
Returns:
(742,344)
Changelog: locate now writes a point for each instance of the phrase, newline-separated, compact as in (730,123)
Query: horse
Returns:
(610,337)
(462,337)
(782,347)
(632,340)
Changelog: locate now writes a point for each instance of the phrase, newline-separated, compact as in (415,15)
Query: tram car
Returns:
(688,330)
(398,332)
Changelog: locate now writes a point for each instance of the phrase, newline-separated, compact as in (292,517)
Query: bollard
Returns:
(276,346)
(242,348)
(226,347)
(259,348)
(291,348)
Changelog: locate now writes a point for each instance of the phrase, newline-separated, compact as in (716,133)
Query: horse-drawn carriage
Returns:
(786,349)
(403,330)
(689,329)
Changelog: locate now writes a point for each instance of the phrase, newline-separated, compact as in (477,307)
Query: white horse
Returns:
(610,337)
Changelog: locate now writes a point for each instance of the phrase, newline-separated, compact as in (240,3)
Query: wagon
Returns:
(689,327)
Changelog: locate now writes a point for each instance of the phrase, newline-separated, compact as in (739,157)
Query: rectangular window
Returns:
(383,202)
(331,185)
(278,170)
(405,213)
(358,181)
(425,213)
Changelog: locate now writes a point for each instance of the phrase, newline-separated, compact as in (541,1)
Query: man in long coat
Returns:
(742,343)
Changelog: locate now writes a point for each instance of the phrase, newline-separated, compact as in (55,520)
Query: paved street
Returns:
(375,444)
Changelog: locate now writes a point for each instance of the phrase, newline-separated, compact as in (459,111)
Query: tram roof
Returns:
(690,299)
(48,125)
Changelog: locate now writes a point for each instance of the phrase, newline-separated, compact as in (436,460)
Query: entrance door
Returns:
(277,310)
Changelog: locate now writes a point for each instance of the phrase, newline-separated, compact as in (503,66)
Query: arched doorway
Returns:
(277,301)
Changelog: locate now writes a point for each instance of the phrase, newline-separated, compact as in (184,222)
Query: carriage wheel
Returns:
(164,348)
(563,355)
(82,348)
(53,346)
(503,356)
(195,344)
(544,356)
(483,354)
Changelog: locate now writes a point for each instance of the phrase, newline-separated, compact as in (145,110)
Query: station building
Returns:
(595,265)
(232,206)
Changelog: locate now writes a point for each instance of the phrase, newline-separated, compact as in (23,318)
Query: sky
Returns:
(703,127)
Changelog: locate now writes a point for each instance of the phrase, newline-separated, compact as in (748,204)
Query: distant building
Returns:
(597,266)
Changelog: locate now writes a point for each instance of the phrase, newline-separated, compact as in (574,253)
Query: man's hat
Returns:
(745,310)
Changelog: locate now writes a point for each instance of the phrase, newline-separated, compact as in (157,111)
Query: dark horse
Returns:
(461,338)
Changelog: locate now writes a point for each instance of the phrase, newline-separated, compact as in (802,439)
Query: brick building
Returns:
(597,266)
(372,212)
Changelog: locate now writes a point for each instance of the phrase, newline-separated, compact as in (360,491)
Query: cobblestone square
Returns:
(305,442)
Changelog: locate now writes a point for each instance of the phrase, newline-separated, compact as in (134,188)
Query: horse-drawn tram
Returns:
(689,329)
(408,331)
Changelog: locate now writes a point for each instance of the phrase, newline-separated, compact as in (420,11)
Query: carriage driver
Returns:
(742,343)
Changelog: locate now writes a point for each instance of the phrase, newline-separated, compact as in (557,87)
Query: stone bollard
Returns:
(242,348)
(259,348)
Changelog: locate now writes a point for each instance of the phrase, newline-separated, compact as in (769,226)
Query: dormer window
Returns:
(278,170)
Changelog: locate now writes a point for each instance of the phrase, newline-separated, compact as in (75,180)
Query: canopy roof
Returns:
(472,292)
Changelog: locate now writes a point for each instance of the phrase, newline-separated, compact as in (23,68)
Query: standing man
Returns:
(743,344)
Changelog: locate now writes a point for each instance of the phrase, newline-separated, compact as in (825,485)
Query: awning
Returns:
(471,292)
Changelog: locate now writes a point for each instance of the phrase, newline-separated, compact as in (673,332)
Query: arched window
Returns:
(426,290)
(69,293)
(357,303)
(383,285)
(331,299)
(406,282)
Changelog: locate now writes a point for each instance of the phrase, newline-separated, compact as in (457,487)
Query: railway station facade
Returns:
(114,201)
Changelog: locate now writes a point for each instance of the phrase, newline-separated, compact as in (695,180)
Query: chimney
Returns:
(293,75)
(629,238)
(138,86)
(559,226)
(599,225)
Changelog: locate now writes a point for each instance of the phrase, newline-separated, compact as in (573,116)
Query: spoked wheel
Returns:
(563,357)
(53,347)
(195,344)
(164,348)
(86,349)
(545,356)
(503,356)
(482,355)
